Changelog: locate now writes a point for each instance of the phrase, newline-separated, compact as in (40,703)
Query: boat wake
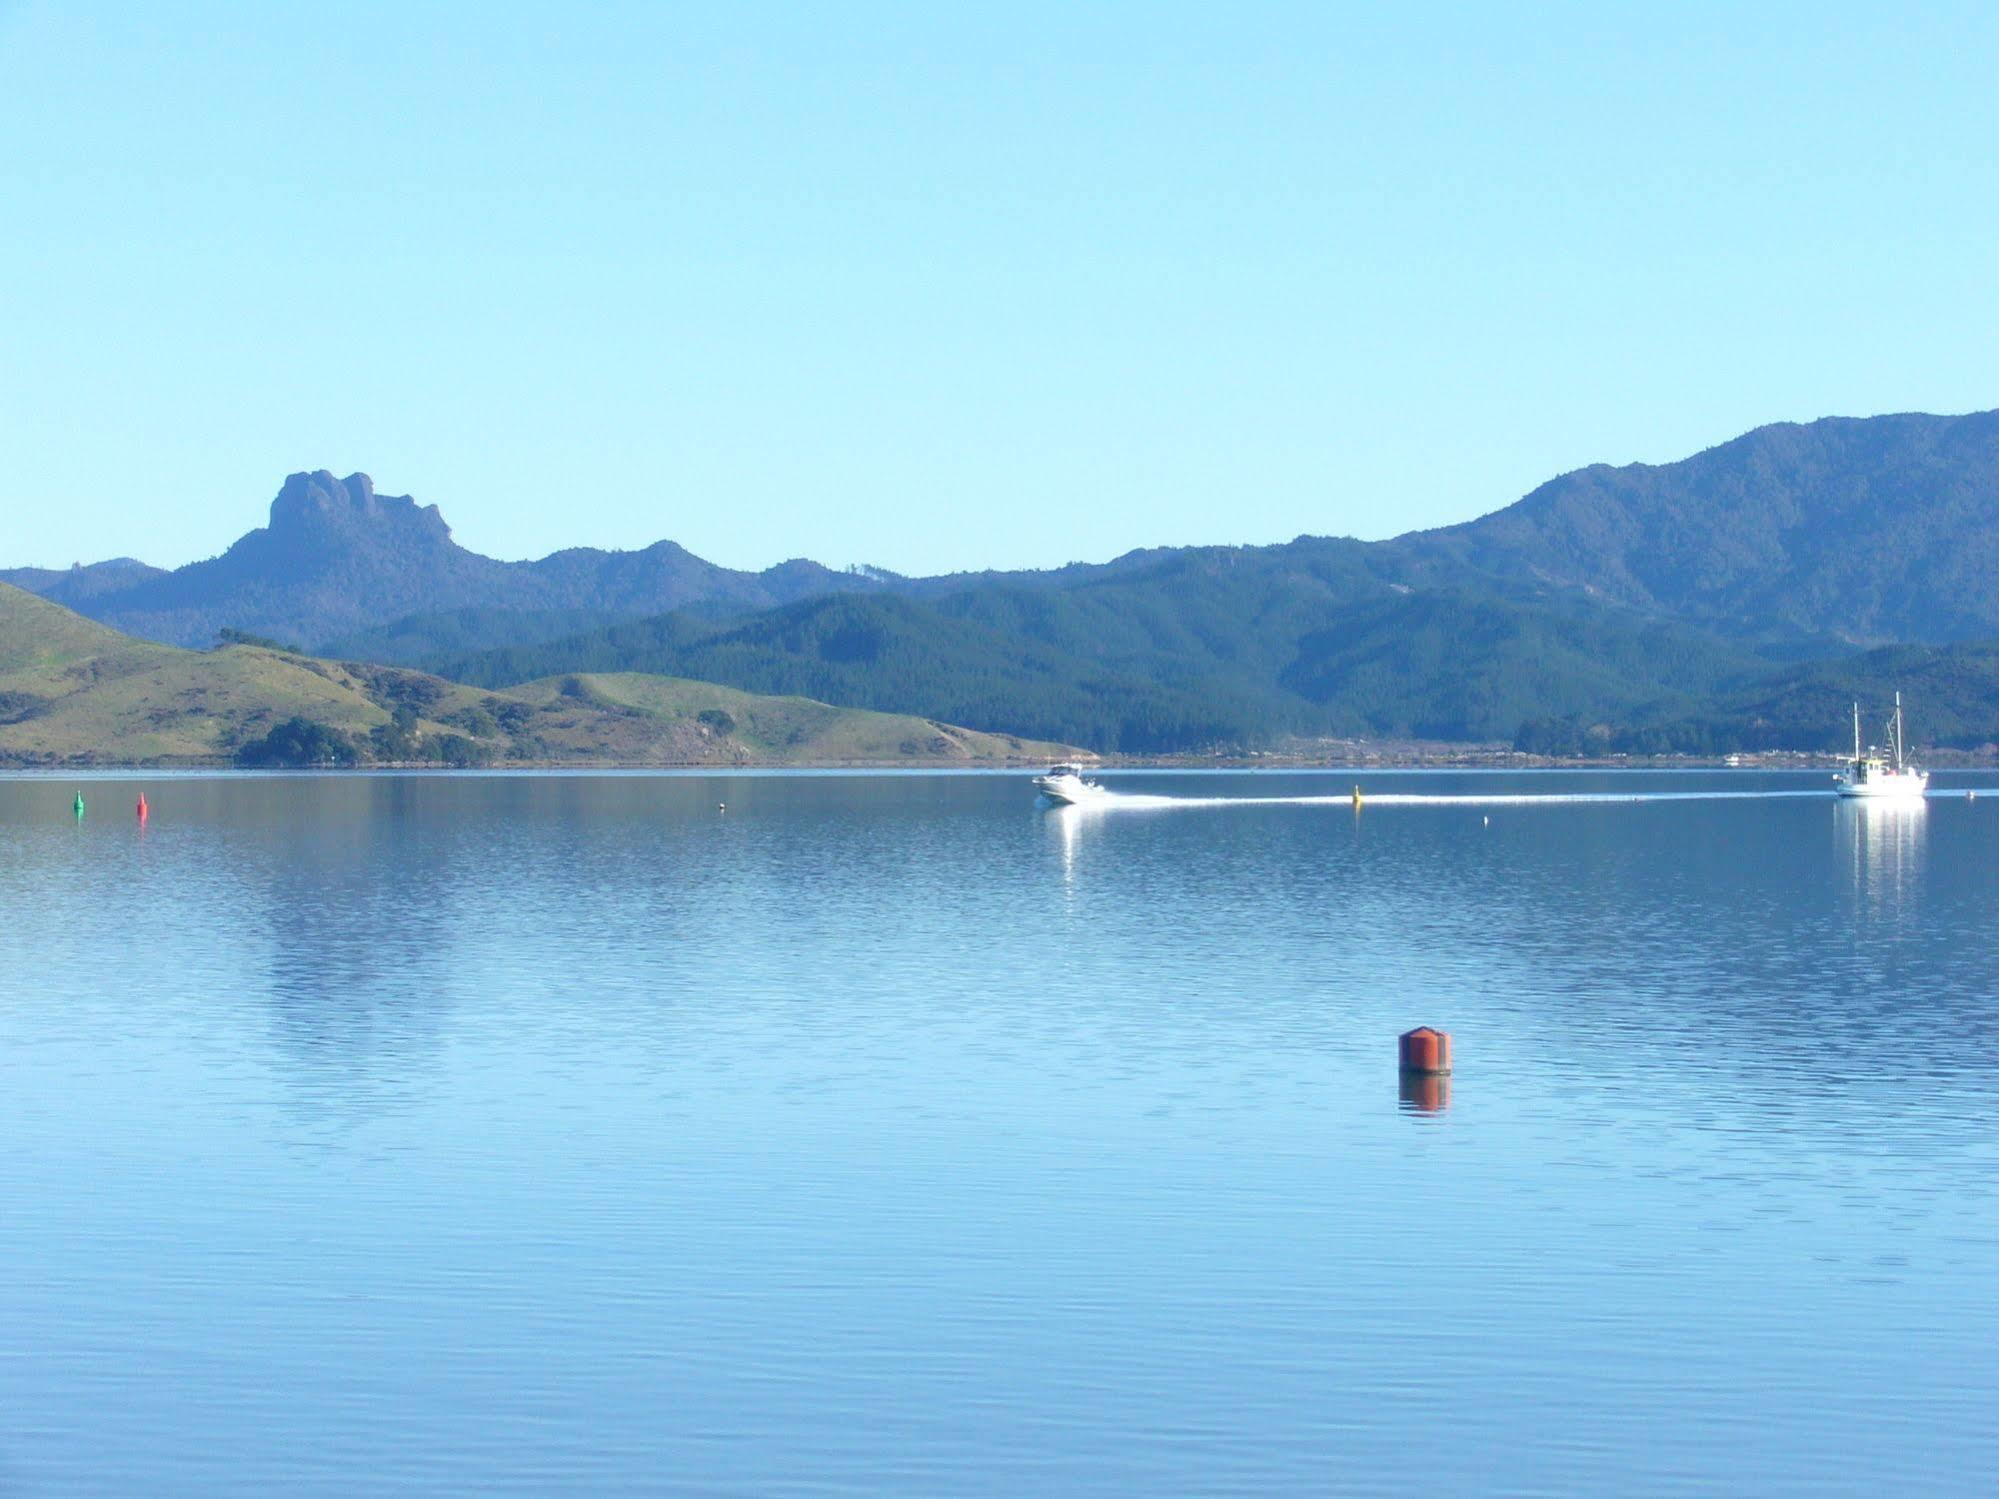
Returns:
(1112,801)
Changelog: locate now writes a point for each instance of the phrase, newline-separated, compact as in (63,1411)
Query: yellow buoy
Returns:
(1356,798)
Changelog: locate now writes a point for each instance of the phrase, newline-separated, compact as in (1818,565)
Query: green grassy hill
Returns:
(75,693)
(39,637)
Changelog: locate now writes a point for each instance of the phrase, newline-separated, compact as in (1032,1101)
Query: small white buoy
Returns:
(1488,820)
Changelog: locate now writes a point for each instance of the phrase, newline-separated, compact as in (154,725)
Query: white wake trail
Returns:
(1149,801)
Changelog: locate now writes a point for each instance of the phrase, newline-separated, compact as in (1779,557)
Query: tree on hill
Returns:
(300,741)
(230,635)
(399,738)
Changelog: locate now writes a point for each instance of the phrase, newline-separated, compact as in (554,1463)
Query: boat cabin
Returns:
(1867,768)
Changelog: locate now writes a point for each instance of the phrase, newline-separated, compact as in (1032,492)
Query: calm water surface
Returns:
(888,1135)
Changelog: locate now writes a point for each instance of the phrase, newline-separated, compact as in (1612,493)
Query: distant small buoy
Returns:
(1487,819)
(1426,1051)
(141,809)
(1356,798)
(1971,796)
(721,806)
(79,804)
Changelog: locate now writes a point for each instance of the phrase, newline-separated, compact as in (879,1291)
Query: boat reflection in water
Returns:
(1881,844)
(1065,822)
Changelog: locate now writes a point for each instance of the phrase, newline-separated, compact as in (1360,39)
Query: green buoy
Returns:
(79,804)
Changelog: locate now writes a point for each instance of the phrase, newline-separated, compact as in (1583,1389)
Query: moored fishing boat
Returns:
(1874,773)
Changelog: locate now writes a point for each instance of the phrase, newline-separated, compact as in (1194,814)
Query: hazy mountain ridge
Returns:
(70,586)
(1638,595)
(336,558)
(1862,530)
(1844,530)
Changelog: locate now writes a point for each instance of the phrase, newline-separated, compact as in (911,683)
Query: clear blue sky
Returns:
(941,286)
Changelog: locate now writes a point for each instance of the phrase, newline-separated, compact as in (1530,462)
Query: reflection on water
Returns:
(1065,825)
(890,1135)
(1880,844)
(351,954)
(1424,1093)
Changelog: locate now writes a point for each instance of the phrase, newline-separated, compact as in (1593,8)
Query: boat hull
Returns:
(1066,791)
(1904,787)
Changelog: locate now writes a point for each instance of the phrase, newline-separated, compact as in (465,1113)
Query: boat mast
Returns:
(1898,732)
(1856,733)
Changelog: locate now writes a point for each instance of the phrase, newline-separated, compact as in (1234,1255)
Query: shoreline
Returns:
(1460,759)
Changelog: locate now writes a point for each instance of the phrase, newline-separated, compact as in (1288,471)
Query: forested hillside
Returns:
(1180,657)
(1952,691)
(1852,531)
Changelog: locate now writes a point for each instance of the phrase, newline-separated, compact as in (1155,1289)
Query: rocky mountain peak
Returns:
(317,502)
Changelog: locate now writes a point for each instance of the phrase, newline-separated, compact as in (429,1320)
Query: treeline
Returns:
(1951,695)
(1572,738)
(305,742)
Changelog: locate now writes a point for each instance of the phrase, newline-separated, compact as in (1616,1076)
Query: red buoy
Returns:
(1426,1051)
(143,814)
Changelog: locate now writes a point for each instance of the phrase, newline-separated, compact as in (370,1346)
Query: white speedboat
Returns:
(1065,784)
(1878,774)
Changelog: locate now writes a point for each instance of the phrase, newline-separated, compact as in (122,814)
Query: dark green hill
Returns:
(1952,694)
(1460,664)
(1202,650)
(419,639)
(874,650)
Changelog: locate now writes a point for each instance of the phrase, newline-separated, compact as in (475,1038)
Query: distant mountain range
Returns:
(337,557)
(1639,605)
